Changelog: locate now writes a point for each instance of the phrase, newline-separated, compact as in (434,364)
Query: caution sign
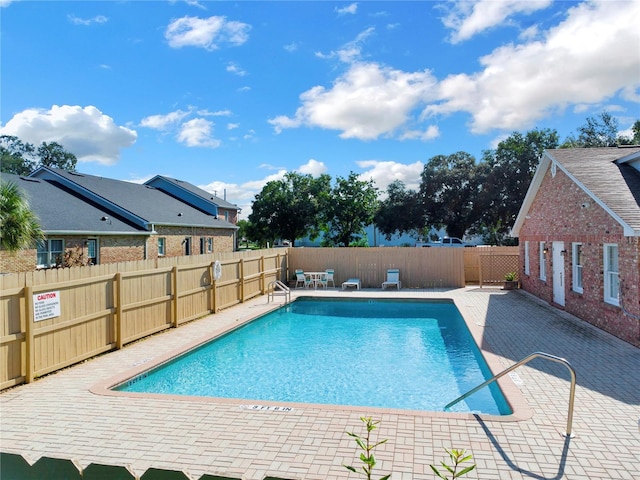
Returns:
(46,305)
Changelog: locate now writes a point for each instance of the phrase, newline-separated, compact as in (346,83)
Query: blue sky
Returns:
(229,95)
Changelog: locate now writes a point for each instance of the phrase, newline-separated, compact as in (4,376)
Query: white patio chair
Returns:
(329,277)
(393,278)
(302,279)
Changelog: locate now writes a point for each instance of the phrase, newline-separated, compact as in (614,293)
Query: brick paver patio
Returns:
(59,416)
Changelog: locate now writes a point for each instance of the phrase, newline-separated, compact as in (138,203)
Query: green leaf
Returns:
(466,470)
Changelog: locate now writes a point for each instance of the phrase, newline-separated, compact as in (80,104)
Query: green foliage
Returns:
(449,191)
(507,172)
(288,209)
(400,212)
(19,226)
(366,456)
(22,158)
(510,276)
(457,458)
(348,209)
(599,131)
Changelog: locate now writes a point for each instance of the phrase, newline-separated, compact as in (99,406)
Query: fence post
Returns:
(117,324)
(262,286)
(28,310)
(174,295)
(241,280)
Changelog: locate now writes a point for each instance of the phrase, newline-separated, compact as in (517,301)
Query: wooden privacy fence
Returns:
(104,307)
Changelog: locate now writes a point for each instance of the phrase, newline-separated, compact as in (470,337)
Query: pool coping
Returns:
(520,408)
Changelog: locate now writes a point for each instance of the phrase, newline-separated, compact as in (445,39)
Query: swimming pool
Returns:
(390,353)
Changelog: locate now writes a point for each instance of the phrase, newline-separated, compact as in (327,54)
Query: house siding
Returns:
(562,211)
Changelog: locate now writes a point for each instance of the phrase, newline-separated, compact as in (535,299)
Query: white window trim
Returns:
(526,258)
(608,275)
(543,264)
(162,240)
(50,259)
(577,268)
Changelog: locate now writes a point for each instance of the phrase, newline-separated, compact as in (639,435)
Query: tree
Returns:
(635,140)
(508,171)
(54,155)
(289,208)
(600,131)
(449,190)
(15,156)
(22,158)
(19,226)
(400,212)
(351,207)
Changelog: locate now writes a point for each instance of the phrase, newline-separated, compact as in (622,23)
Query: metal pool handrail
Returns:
(522,362)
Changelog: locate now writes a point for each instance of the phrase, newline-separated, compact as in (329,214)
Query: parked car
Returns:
(445,242)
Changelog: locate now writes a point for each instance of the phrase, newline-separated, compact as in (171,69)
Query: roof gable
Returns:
(608,175)
(142,204)
(190,193)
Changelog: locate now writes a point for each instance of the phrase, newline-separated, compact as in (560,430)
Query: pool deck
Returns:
(67,415)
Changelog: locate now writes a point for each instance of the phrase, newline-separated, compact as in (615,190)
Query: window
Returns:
(543,258)
(49,253)
(576,260)
(209,245)
(92,251)
(161,247)
(203,245)
(187,245)
(226,216)
(611,285)
(526,257)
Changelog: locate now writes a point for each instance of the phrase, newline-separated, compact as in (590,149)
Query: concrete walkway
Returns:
(60,416)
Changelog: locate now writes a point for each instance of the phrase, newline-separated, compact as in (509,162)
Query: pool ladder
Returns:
(522,362)
(277,288)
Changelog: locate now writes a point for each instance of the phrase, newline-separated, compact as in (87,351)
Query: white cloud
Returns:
(432,132)
(163,122)
(350,51)
(236,69)
(349,9)
(232,126)
(368,101)
(84,131)
(87,21)
(383,173)
(208,33)
(291,47)
(198,133)
(579,61)
(313,168)
(467,19)
(244,193)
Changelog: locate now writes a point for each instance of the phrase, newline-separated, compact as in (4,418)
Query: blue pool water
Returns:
(391,353)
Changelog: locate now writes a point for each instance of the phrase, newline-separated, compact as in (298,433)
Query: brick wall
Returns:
(563,212)
(114,249)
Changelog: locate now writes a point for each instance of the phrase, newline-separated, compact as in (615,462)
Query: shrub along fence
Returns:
(54,318)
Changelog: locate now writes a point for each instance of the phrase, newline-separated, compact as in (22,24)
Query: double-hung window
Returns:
(611,282)
(543,263)
(526,257)
(49,253)
(576,261)
(161,247)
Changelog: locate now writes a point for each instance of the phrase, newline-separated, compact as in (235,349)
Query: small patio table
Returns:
(317,278)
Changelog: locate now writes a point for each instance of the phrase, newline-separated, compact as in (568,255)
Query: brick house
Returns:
(579,236)
(109,221)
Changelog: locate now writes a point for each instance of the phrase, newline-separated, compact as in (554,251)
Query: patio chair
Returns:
(302,279)
(329,277)
(393,278)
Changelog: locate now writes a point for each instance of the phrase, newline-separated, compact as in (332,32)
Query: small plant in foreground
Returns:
(366,456)
(457,457)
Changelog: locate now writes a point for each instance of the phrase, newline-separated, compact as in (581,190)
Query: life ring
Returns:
(217,270)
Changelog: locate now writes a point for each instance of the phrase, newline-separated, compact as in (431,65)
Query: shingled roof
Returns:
(61,212)
(610,176)
(142,205)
